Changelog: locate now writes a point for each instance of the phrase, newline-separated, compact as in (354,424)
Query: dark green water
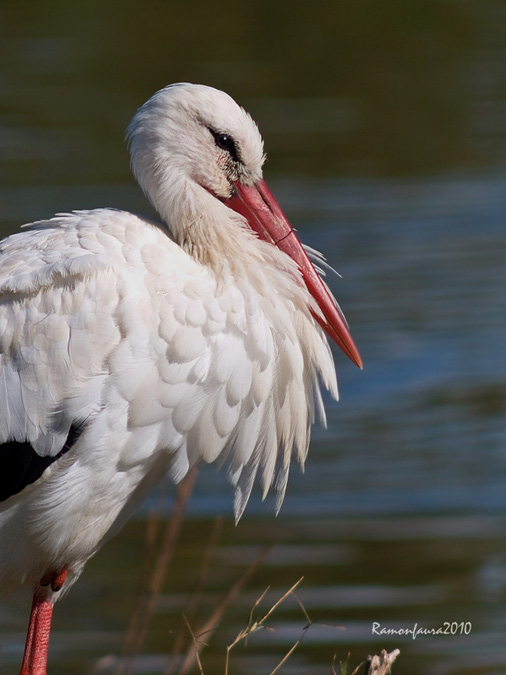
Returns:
(385,126)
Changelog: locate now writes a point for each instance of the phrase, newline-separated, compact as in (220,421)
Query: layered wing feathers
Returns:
(101,303)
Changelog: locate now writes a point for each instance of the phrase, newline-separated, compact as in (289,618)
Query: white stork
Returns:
(131,349)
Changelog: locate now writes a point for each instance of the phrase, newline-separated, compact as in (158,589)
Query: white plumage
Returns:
(131,349)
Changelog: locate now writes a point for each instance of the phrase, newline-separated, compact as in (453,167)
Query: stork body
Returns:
(130,350)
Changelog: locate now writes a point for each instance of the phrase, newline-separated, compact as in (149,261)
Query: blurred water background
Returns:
(385,128)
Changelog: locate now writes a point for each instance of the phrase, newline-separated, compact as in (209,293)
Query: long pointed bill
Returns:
(257,204)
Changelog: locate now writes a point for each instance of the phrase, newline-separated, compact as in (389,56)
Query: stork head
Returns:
(197,134)
(198,157)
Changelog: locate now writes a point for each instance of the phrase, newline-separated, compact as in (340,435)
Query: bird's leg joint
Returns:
(54,579)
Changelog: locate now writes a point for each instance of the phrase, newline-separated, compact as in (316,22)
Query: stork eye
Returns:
(225,142)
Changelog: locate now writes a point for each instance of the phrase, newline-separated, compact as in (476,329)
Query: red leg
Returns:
(39,628)
(37,639)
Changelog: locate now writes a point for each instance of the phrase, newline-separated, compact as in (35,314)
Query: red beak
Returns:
(257,204)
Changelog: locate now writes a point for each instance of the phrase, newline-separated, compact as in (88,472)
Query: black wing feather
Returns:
(21,465)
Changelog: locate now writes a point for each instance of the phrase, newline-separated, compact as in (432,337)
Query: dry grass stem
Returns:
(358,668)
(141,618)
(196,645)
(260,624)
(209,627)
(159,551)
(343,667)
(195,597)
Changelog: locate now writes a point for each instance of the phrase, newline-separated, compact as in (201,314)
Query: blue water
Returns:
(423,265)
(401,512)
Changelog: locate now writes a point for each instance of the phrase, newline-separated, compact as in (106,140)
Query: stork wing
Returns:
(103,317)
(56,329)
